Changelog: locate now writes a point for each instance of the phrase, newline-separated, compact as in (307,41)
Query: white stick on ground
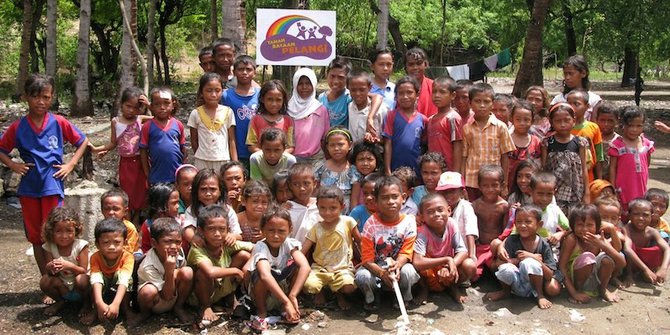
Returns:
(401,302)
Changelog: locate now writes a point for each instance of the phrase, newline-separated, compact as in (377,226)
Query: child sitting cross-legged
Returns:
(440,254)
(216,276)
(529,270)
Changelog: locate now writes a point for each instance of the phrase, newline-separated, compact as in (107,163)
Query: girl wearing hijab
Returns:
(309,115)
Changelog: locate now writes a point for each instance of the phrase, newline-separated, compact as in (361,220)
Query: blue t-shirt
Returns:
(164,145)
(406,135)
(419,193)
(388,93)
(244,108)
(338,109)
(360,214)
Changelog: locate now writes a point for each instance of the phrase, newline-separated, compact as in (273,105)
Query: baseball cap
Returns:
(449,180)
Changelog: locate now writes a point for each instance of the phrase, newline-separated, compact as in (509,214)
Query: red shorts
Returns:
(35,213)
(433,281)
(133,181)
(484,258)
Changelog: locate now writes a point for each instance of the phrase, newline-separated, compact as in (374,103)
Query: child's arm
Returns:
(307,247)
(104,149)
(543,156)
(567,247)
(48,260)
(169,288)
(65,169)
(375,102)
(355,192)
(634,259)
(100,305)
(232,143)
(113,308)
(214,272)
(144,159)
(192,238)
(611,230)
(300,278)
(422,262)
(662,127)
(663,269)
(613,163)
(504,162)
(265,275)
(585,174)
(472,247)
(457,156)
(194,139)
(609,249)
(80,268)
(388,146)
(20,168)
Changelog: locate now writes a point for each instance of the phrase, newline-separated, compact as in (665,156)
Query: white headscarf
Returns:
(299,108)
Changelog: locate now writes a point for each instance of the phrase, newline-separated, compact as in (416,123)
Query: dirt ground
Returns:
(643,309)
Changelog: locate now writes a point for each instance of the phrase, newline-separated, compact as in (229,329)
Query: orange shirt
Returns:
(388,239)
(123,268)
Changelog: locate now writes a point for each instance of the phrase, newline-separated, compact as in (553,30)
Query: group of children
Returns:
(430,184)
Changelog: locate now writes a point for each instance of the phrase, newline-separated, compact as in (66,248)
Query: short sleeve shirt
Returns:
(358,119)
(164,145)
(261,251)
(513,244)
(151,270)
(213,142)
(244,108)
(442,131)
(261,170)
(337,109)
(333,248)
(405,135)
(198,255)
(432,245)
(123,269)
(466,219)
(483,146)
(388,239)
(387,93)
(66,276)
(233,223)
(259,124)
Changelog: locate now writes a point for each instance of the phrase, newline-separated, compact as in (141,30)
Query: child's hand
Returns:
(502,254)
(292,314)
(102,311)
(660,275)
(287,206)
(63,170)
(198,241)
(555,238)
(523,254)
(142,100)
(21,168)
(387,278)
(650,276)
(662,127)
(233,194)
(112,312)
(51,268)
(581,298)
(370,129)
(170,262)
(237,275)
(294,302)
(229,240)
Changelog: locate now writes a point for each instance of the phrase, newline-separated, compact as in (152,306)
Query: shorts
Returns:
(282,277)
(432,280)
(72,295)
(518,277)
(318,278)
(590,286)
(35,214)
(133,181)
(484,258)
(205,164)
(222,288)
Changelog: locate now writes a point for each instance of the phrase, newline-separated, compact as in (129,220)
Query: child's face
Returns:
(337,80)
(330,210)
(523,179)
(389,202)
(578,104)
(130,108)
(272,151)
(275,231)
(305,87)
(215,231)
(462,101)
(606,123)
(233,178)
(160,107)
(359,89)
(562,122)
(110,245)
(383,66)
(453,196)
(634,128)
(435,213)
(526,224)
(366,162)
(640,216)
(369,197)
(522,120)
(273,101)
(207,63)
(302,187)
(283,193)
(406,96)
(184,185)
(542,194)
(225,54)
(167,245)
(211,93)
(64,233)
(338,146)
(430,174)
(611,214)
(173,205)
(442,96)
(572,77)
(581,227)
(501,111)
(481,105)
(209,191)
(536,99)
(490,186)
(40,103)
(658,206)
(416,67)
(244,73)
(256,205)
(113,207)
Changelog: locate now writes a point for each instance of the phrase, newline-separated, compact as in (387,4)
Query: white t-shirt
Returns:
(152,271)
(262,251)
(233,223)
(303,219)
(466,220)
(77,246)
(358,119)
(213,144)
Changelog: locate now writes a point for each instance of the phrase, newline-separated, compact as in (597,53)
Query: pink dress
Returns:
(632,170)
(132,179)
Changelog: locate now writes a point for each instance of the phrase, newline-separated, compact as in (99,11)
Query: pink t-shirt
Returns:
(424,104)
(632,169)
(309,132)
(442,131)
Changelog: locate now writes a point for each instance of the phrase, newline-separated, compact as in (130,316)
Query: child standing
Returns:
(539,98)
(576,76)
(66,264)
(630,156)
(212,126)
(278,269)
(256,198)
(462,101)
(381,62)
(162,140)
(404,128)
(206,59)
(337,170)
(444,129)
(272,157)
(309,116)
(431,166)
(407,178)
(362,212)
(387,245)
(564,154)
(528,147)
(39,137)
(333,241)
(217,273)
(587,259)
(416,63)
(223,52)
(125,135)
(645,249)
(303,210)
(485,141)
(589,130)
(607,121)
(273,101)
(529,271)
(111,271)
(360,84)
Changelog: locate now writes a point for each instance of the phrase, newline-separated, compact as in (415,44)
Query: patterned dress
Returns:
(564,162)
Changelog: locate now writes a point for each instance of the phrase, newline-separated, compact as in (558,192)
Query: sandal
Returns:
(257,324)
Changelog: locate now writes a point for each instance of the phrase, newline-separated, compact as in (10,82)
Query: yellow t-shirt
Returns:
(333,248)
(132,238)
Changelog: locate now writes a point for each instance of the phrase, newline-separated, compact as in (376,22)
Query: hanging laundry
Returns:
(477,70)
(504,58)
(491,62)
(459,72)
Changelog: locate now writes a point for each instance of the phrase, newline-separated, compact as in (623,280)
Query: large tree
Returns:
(233,26)
(24,56)
(81,101)
(530,70)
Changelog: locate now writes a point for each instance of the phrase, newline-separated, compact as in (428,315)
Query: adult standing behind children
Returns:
(39,137)
(223,52)
(310,117)
(416,63)
(576,76)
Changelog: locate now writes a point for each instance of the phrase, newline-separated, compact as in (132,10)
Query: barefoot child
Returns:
(256,198)
(216,274)
(165,282)
(274,282)
(452,188)
(114,204)
(387,245)
(111,271)
(332,238)
(587,259)
(530,269)
(444,129)
(646,251)
(66,264)
(440,255)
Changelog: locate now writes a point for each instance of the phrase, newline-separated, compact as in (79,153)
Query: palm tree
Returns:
(81,102)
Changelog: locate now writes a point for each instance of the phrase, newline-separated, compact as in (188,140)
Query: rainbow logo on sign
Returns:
(296,35)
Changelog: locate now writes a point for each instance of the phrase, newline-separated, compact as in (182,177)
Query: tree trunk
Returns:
(51,58)
(106,60)
(383,24)
(164,56)
(232,25)
(630,65)
(214,20)
(569,28)
(127,78)
(151,41)
(34,43)
(81,101)
(530,70)
(24,54)
(394,29)
(136,52)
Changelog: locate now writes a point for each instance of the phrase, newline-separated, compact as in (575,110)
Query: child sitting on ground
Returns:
(332,238)
(530,269)
(304,214)
(440,255)
(256,198)
(114,203)
(659,201)
(645,249)
(387,245)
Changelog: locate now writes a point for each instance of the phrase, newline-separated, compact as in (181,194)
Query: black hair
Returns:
(330,192)
(543,177)
(445,80)
(110,225)
(533,210)
(406,174)
(378,52)
(267,87)
(183,169)
(359,74)
(523,104)
(256,187)
(163,226)
(387,181)
(335,130)
(206,50)
(581,212)
(115,192)
(515,189)
(607,107)
(157,199)
(416,53)
(628,113)
(279,177)
(299,169)
(200,177)
(561,107)
(60,214)
(244,59)
(339,62)
(481,88)
(371,178)
(490,169)
(545,98)
(657,192)
(275,211)
(36,83)
(507,99)
(639,202)
(408,80)
(206,78)
(230,164)
(223,41)
(432,157)
(464,84)
(271,135)
(372,148)
(212,211)
(131,93)
(580,64)
(583,95)
(430,197)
